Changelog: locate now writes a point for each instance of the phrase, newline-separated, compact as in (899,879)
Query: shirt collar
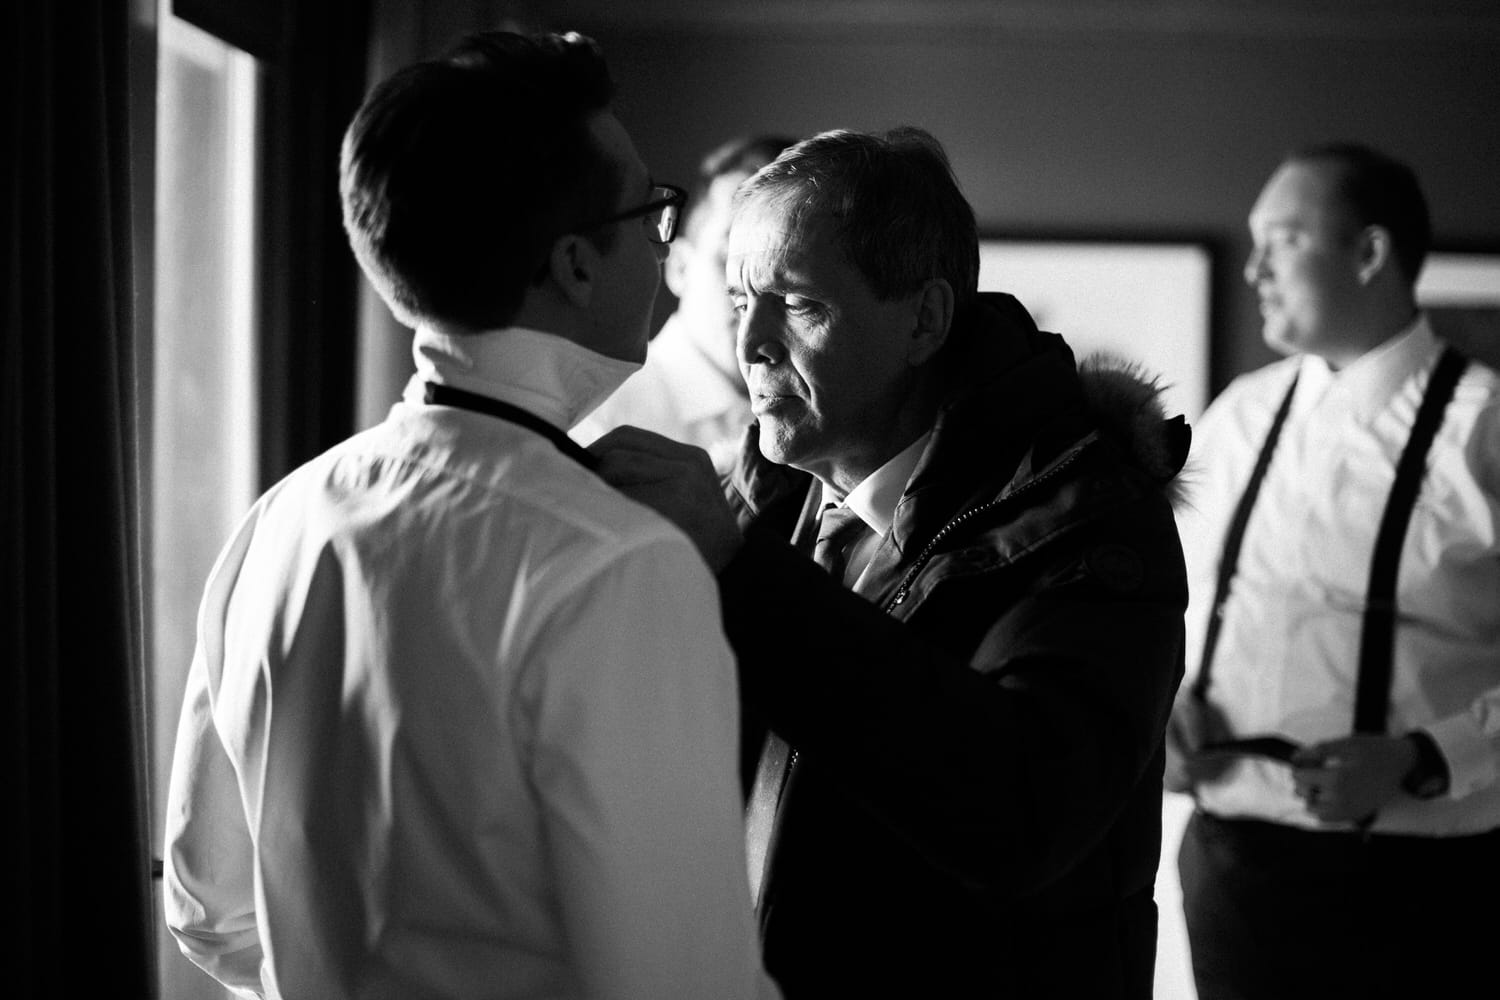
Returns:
(1368,383)
(544,374)
(875,498)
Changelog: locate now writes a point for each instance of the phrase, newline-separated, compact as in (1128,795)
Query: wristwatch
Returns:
(1428,777)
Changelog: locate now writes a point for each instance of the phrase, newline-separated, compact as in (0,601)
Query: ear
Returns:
(934,317)
(573,265)
(674,272)
(1376,252)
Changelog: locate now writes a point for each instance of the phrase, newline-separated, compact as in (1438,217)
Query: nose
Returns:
(757,341)
(1255,265)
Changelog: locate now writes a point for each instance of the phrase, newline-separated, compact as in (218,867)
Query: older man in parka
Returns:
(959,719)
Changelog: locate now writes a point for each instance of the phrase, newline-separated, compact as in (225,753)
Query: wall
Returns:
(1078,117)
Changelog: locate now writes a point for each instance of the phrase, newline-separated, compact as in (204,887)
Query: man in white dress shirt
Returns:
(461,721)
(691,388)
(1355,617)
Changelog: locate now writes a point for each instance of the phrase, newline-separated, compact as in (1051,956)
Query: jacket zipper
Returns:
(926,554)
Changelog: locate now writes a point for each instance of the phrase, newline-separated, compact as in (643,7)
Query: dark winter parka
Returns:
(974,807)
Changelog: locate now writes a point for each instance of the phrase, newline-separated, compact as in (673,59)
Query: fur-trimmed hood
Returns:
(1128,404)
(1015,399)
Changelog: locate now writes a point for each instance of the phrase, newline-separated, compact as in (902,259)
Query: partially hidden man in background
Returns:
(461,718)
(690,388)
(966,685)
(1345,572)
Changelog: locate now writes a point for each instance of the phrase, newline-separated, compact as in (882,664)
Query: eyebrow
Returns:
(778,280)
(776,284)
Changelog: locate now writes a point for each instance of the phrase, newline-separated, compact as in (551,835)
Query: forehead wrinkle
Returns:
(785,235)
(766,270)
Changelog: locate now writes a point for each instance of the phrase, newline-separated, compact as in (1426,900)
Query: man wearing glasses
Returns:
(461,718)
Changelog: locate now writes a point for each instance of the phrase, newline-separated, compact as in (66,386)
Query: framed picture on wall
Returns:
(1461,292)
(1145,302)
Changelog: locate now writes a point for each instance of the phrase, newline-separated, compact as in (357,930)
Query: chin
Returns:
(1281,340)
(770,445)
(777,443)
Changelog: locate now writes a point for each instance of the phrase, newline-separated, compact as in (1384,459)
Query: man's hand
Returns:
(676,480)
(1351,779)
(1193,723)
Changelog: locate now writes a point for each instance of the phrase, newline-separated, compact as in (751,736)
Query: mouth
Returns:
(763,402)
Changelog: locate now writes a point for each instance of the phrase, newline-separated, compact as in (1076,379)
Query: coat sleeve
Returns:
(1004,767)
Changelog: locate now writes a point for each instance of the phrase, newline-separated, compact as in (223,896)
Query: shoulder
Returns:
(1246,406)
(594,521)
(1262,387)
(1472,422)
(491,503)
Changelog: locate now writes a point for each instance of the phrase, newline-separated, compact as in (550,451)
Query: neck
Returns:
(1370,332)
(914,419)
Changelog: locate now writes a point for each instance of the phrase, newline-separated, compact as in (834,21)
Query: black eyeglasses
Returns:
(661,211)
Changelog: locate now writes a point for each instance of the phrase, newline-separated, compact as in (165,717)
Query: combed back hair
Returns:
(1378,190)
(458,174)
(899,213)
(741,155)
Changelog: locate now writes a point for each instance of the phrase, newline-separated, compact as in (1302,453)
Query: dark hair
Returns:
(741,155)
(1378,191)
(899,214)
(458,173)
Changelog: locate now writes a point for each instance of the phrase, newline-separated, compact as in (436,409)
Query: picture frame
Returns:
(1460,292)
(1146,302)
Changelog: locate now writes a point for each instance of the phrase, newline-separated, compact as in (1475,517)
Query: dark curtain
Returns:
(315,81)
(76,857)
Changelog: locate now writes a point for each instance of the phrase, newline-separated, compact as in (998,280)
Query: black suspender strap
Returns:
(1377,636)
(438,394)
(1230,558)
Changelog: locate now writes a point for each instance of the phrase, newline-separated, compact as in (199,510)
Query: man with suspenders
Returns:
(1340,728)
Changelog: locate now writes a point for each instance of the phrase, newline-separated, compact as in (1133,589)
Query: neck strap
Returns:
(438,394)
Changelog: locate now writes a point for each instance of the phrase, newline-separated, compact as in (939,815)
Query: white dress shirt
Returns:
(1287,656)
(681,392)
(462,721)
(874,500)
